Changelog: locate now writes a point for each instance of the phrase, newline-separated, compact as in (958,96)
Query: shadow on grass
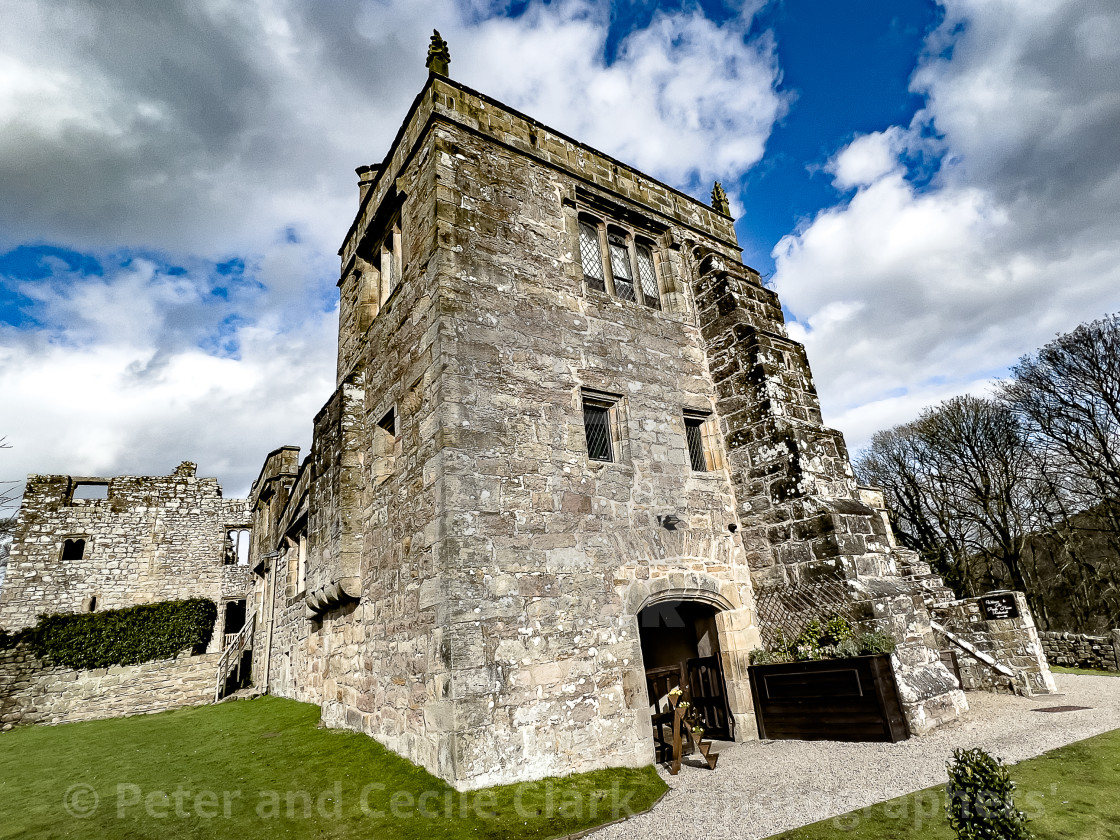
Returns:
(263,769)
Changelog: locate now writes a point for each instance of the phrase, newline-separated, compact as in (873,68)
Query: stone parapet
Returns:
(35,691)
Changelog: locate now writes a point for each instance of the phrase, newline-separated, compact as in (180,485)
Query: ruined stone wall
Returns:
(153,539)
(34,691)
(1073,650)
(1013,642)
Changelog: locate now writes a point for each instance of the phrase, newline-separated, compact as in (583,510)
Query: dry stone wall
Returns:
(1073,650)
(34,691)
(151,539)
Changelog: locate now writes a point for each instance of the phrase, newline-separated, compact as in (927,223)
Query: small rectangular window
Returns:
(74,549)
(694,434)
(389,422)
(591,256)
(91,490)
(597,429)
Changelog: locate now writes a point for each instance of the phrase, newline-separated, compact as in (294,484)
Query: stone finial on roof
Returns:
(439,56)
(719,200)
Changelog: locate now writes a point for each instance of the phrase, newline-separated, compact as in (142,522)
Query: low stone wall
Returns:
(1013,642)
(34,691)
(1101,653)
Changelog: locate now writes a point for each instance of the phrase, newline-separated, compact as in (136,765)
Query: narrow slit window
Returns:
(389,422)
(620,267)
(384,446)
(647,275)
(597,428)
(693,432)
(388,269)
(591,256)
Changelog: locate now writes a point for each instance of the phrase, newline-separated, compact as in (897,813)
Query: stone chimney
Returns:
(366,174)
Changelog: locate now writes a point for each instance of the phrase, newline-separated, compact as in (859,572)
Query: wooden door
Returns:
(708,695)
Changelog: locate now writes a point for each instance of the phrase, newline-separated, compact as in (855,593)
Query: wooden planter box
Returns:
(829,700)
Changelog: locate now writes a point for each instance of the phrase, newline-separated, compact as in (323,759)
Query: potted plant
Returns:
(828,683)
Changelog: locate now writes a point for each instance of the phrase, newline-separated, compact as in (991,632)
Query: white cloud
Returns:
(868,158)
(1015,238)
(199,131)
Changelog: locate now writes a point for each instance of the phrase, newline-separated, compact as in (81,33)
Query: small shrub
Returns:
(979,799)
(767,657)
(847,649)
(124,637)
(836,631)
(877,642)
(835,639)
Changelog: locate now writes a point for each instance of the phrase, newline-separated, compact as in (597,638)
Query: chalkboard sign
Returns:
(996,607)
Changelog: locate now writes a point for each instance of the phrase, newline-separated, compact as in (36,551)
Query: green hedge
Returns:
(124,637)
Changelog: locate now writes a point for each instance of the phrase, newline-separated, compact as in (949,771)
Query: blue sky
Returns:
(932,188)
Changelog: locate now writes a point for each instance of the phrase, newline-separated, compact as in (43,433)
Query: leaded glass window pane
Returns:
(620,267)
(692,432)
(597,428)
(648,277)
(591,256)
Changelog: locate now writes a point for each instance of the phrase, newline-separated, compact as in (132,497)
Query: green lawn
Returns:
(262,769)
(1071,793)
(1091,672)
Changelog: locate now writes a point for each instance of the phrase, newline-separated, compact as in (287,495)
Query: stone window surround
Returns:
(77,484)
(617,422)
(386,443)
(296,554)
(86,548)
(380,278)
(635,239)
(709,439)
(234,536)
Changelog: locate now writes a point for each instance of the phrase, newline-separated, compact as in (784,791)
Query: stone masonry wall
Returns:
(378,665)
(1013,642)
(501,571)
(33,691)
(153,539)
(494,635)
(550,555)
(1072,650)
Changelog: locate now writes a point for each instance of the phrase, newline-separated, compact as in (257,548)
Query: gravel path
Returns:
(761,788)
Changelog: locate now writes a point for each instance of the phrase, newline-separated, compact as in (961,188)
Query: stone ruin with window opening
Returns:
(85,544)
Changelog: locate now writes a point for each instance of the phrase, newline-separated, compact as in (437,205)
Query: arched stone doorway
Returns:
(681,648)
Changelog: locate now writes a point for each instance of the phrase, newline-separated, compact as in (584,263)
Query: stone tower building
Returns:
(569,439)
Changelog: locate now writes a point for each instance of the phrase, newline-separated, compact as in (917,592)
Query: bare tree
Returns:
(1068,395)
(961,482)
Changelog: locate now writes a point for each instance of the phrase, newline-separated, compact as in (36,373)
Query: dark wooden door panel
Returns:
(843,700)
